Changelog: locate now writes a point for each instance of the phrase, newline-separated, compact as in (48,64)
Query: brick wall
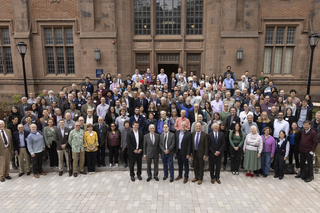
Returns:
(6,9)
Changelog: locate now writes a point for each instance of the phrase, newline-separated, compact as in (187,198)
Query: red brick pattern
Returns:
(6,9)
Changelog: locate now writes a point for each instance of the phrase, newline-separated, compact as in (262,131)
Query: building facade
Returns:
(196,35)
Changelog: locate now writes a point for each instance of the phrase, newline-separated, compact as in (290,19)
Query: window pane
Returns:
(6,36)
(60,60)
(142,17)
(267,60)
(70,60)
(48,36)
(69,36)
(8,59)
(1,64)
(280,34)
(168,17)
(50,60)
(288,61)
(277,60)
(269,35)
(290,35)
(194,17)
(58,36)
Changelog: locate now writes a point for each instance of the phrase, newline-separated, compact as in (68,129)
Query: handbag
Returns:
(289,169)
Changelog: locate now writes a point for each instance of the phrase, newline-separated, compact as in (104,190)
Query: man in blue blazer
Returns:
(21,149)
(137,117)
(183,150)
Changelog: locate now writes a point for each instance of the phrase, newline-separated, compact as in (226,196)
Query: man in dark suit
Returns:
(61,137)
(303,113)
(129,100)
(101,129)
(67,104)
(155,99)
(135,146)
(62,99)
(21,149)
(193,114)
(51,98)
(151,151)
(137,117)
(167,148)
(23,105)
(90,118)
(129,111)
(199,152)
(142,101)
(216,148)
(128,81)
(232,119)
(183,150)
(89,86)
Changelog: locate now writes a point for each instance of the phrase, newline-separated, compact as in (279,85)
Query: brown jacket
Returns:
(85,107)
(202,146)
(61,140)
(9,136)
(77,114)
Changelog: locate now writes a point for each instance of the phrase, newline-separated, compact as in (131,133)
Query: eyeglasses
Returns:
(77,125)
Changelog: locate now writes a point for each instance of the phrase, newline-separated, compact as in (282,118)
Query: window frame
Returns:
(147,30)
(193,18)
(55,46)
(172,17)
(284,46)
(3,54)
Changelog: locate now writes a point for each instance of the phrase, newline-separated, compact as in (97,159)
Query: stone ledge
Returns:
(239,34)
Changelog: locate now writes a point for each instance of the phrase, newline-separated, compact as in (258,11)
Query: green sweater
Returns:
(48,135)
(223,116)
(236,139)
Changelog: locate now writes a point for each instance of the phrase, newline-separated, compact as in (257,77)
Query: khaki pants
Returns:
(5,163)
(24,155)
(60,159)
(317,160)
(75,156)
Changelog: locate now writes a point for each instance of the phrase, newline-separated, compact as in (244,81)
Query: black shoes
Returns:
(298,176)
(148,179)
(60,173)
(156,178)
(308,180)
(133,179)
(20,174)
(139,177)
(276,176)
(264,175)
(224,167)
(165,178)
(28,173)
(171,180)
(8,177)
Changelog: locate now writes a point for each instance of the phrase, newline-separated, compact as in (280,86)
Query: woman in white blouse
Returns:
(252,149)
(244,114)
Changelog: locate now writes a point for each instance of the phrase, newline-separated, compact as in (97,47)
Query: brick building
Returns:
(196,35)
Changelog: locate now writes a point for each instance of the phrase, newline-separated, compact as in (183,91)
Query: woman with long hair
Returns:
(111,116)
(220,82)
(291,105)
(308,98)
(281,107)
(263,122)
(152,108)
(289,117)
(294,140)
(48,136)
(236,139)
(114,143)
(207,112)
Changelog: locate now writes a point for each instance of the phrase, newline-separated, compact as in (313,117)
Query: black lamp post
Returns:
(22,48)
(313,40)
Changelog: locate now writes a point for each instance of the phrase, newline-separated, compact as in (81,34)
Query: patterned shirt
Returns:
(76,140)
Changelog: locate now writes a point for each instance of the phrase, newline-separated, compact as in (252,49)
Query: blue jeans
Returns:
(165,160)
(265,162)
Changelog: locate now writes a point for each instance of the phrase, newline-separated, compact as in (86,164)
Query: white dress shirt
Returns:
(136,135)
(89,120)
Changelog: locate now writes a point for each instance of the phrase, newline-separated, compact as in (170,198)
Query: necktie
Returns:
(141,102)
(152,139)
(216,137)
(165,140)
(4,138)
(51,99)
(100,130)
(197,141)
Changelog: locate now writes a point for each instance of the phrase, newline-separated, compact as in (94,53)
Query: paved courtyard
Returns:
(112,191)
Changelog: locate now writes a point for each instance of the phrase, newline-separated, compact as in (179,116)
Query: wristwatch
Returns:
(311,153)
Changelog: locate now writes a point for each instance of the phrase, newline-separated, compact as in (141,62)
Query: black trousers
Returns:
(133,158)
(101,154)
(183,161)
(37,163)
(215,161)
(155,166)
(198,164)
(91,160)
(278,165)
(113,153)
(125,155)
(235,158)
(306,157)
(295,153)
(53,154)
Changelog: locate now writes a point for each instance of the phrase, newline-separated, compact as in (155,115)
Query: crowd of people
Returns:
(251,122)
